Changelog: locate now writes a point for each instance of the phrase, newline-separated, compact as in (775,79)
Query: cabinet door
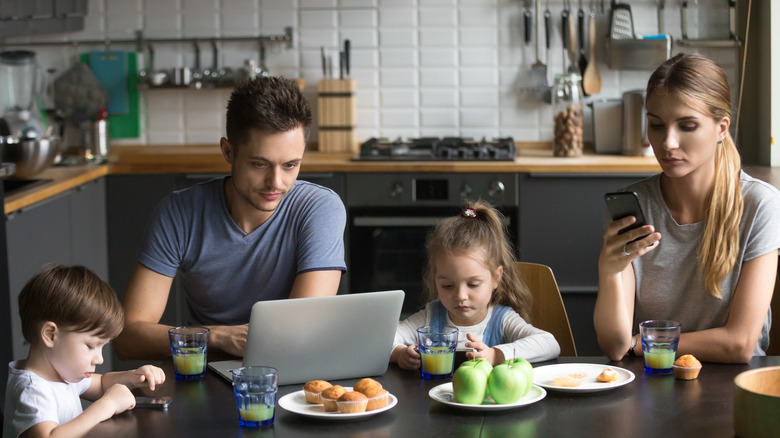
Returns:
(561,224)
(89,242)
(37,235)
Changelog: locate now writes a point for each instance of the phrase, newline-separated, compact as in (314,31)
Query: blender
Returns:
(18,81)
(24,139)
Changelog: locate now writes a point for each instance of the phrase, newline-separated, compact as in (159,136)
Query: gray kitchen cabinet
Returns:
(561,225)
(66,229)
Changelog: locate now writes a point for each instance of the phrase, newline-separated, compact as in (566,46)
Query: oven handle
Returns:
(396,221)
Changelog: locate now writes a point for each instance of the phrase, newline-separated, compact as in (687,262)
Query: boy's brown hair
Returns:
(74,298)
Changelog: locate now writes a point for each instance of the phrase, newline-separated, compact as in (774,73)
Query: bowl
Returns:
(757,402)
(30,155)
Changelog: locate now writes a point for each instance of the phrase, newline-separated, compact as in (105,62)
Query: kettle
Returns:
(635,124)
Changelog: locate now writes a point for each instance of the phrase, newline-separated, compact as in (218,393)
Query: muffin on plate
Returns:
(377,398)
(313,389)
(352,402)
(607,375)
(686,367)
(364,384)
(330,395)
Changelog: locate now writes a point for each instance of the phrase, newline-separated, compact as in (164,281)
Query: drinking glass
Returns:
(188,348)
(255,389)
(659,345)
(437,350)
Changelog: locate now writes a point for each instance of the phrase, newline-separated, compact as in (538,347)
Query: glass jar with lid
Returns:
(567,110)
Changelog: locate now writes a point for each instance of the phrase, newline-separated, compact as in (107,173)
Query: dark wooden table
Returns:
(650,406)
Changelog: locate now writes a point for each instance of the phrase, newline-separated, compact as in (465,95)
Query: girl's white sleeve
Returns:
(526,341)
(406,333)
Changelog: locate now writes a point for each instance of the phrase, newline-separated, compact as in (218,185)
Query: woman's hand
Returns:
(619,249)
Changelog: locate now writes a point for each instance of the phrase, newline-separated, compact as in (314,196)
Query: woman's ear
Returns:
(48,333)
(723,127)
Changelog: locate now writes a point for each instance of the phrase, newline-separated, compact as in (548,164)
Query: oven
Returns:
(391,214)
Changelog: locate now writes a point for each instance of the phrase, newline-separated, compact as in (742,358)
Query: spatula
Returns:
(591,80)
(538,70)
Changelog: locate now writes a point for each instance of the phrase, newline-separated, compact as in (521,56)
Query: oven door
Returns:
(387,249)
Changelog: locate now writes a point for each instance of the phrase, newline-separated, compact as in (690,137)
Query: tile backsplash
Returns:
(423,67)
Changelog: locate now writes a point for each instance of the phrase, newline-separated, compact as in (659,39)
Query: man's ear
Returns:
(227,150)
(49,333)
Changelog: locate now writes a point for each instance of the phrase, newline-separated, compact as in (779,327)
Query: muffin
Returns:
(352,402)
(364,384)
(313,389)
(330,395)
(607,375)
(686,367)
(377,398)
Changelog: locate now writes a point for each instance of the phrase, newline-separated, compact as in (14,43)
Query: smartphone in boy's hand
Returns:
(622,204)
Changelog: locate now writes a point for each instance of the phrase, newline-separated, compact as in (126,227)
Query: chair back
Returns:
(774,330)
(548,312)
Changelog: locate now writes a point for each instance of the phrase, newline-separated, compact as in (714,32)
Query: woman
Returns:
(710,252)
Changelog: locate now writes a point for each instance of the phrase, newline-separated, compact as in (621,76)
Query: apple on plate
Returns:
(510,380)
(470,381)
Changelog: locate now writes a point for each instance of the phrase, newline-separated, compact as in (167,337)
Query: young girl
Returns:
(471,272)
(68,314)
(709,258)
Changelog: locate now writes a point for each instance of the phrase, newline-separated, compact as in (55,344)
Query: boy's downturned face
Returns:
(74,355)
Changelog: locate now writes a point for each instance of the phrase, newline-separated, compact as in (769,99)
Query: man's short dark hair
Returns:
(270,104)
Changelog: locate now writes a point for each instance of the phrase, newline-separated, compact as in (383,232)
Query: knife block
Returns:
(337,115)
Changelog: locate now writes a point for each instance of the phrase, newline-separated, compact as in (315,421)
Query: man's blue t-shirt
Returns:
(225,270)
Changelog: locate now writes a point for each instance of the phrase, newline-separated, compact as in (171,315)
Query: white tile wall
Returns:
(423,67)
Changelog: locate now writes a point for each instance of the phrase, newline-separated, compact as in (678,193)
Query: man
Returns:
(257,234)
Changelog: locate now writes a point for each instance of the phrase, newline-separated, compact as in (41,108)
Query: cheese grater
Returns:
(621,24)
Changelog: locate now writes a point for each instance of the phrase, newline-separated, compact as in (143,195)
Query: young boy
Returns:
(68,314)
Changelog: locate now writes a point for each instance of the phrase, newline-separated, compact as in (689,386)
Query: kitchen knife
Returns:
(565,32)
(324,62)
(341,64)
(527,24)
(684,19)
(347,48)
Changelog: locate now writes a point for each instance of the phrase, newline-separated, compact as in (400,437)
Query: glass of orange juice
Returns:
(437,350)
(188,348)
(659,345)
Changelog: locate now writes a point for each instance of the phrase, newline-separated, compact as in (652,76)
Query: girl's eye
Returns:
(474,285)
(656,126)
(688,128)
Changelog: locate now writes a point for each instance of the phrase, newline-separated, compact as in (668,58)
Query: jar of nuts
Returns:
(567,107)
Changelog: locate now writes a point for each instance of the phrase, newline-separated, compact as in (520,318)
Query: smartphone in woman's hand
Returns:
(622,204)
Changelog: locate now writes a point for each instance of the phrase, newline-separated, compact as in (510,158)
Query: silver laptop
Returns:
(328,338)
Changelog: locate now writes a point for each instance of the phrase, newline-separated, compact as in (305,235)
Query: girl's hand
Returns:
(148,375)
(619,250)
(480,349)
(409,359)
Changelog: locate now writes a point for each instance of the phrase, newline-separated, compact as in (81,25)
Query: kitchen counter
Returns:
(534,158)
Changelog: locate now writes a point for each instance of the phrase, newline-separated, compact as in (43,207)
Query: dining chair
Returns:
(548,312)
(774,330)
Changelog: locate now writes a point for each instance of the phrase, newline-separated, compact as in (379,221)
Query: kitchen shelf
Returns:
(140,42)
(725,44)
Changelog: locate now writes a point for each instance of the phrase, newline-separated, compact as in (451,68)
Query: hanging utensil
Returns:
(621,23)
(591,79)
(661,27)
(538,69)
(572,46)
(565,32)
(582,62)
(545,94)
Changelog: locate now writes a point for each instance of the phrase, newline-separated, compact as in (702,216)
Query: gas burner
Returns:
(437,149)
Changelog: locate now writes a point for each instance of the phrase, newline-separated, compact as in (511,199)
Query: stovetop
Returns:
(437,149)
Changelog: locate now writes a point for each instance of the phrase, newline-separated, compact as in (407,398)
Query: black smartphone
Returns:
(153,402)
(622,204)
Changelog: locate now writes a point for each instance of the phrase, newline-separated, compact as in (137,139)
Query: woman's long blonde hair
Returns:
(703,85)
(482,235)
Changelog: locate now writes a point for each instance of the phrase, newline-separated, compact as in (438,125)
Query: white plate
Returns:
(544,375)
(443,394)
(296,402)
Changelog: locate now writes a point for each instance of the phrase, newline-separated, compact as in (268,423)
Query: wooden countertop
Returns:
(534,158)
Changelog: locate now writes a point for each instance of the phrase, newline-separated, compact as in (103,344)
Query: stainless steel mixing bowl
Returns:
(31,155)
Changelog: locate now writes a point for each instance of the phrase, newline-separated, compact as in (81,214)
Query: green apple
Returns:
(510,380)
(469,383)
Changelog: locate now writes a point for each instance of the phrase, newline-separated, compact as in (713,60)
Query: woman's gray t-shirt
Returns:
(669,283)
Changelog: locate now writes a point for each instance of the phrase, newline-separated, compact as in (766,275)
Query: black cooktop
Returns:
(437,149)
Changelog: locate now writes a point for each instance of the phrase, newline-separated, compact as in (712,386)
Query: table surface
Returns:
(651,406)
